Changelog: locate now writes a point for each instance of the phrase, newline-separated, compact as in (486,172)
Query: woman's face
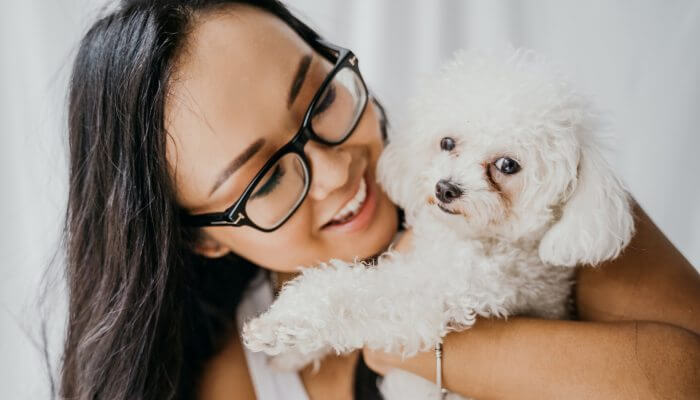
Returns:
(229,110)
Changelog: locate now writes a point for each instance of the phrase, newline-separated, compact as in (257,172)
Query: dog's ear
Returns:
(596,222)
(399,170)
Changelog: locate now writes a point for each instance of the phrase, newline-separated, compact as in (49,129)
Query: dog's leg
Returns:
(346,306)
(309,312)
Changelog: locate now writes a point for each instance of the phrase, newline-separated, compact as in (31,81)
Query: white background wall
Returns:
(638,59)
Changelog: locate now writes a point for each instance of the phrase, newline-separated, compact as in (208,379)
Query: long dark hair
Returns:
(145,312)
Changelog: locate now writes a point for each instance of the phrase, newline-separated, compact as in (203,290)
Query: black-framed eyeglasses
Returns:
(281,185)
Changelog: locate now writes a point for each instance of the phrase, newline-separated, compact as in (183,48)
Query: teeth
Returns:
(354,205)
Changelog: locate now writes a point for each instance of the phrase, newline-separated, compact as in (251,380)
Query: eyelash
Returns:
(271,183)
(326,101)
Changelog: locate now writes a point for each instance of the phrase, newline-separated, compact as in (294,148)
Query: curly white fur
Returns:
(503,247)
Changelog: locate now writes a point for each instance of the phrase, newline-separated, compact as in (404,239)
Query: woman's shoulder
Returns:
(226,375)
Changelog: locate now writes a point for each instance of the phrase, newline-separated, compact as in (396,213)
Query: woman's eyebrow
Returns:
(250,151)
(298,80)
(237,163)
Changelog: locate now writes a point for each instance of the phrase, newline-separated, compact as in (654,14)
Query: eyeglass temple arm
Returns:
(215,219)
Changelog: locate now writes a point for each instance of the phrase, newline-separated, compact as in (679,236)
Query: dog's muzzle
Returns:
(447,191)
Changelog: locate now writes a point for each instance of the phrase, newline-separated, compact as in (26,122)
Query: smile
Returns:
(358,213)
(353,206)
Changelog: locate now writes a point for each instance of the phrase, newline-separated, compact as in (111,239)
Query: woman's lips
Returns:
(363,217)
(352,207)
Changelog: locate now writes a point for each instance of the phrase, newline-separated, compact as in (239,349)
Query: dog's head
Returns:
(499,146)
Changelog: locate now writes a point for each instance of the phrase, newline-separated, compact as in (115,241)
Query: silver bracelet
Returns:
(438,370)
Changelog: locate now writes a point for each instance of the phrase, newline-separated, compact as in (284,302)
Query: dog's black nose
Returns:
(447,191)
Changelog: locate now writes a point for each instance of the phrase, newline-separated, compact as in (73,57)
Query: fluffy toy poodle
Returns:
(499,170)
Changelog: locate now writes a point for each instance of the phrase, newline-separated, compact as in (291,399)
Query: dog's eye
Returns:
(447,143)
(507,165)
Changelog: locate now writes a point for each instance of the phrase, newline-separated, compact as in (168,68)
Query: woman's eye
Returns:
(507,165)
(447,143)
(326,101)
(269,185)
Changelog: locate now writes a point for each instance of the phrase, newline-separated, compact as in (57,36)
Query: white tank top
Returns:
(269,383)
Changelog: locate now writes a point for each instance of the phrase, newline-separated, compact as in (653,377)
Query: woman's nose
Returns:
(330,168)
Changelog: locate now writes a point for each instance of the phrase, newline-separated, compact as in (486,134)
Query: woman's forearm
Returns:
(525,358)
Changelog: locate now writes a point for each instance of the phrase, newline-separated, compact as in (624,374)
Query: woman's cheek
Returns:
(292,245)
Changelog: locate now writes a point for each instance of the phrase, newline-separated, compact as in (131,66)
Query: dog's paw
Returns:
(274,337)
(262,334)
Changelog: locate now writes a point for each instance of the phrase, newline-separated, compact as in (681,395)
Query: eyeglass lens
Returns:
(278,192)
(284,185)
(339,106)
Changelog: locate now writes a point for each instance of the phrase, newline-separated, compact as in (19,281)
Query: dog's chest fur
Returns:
(504,278)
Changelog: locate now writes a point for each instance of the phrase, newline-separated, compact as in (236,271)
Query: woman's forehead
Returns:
(232,82)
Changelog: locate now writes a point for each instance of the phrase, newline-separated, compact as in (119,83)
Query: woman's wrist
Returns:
(470,347)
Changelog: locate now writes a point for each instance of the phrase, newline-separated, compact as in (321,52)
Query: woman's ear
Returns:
(596,221)
(207,246)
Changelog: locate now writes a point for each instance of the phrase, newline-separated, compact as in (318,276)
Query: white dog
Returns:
(501,176)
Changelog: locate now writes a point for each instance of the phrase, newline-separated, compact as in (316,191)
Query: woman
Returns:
(187,115)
